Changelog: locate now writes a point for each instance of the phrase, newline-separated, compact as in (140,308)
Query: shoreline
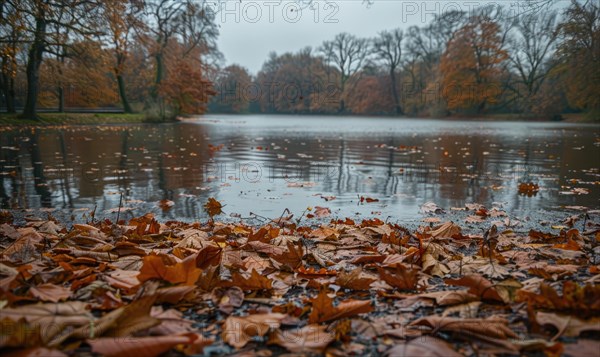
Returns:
(55,119)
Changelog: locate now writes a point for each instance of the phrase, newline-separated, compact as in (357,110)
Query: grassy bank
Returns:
(74,118)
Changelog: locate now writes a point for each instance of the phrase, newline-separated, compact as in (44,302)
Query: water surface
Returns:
(265,164)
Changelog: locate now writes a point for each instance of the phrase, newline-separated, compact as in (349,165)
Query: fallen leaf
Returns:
(479,286)
(429,347)
(323,309)
(493,327)
(54,319)
(50,292)
(400,277)
(166,268)
(354,281)
(308,339)
(567,326)
(213,207)
(139,346)
(238,331)
(255,281)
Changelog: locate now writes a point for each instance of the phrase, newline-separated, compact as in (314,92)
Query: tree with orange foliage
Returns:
(472,65)
(579,55)
(234,90)
(185,89)
(371,95)
(82,79)
(121,17)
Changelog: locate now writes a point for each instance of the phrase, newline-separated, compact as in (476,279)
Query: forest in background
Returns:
(151,56)
(536,65)
(160,57)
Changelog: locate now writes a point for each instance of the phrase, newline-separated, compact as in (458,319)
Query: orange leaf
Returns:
(323,309)
(478,285)
(292,257)
(255,281)
(570,245)
(213,207)
(353,280)
(163,267)
(237,331)
(139,346)
(315,272)
(401,277)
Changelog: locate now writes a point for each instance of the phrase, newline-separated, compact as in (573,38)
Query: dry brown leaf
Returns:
(139,346)
(493,327)
(237,331)
(323,309)
(583,348)
(582,300)
(401,277)
(50,292)
(354,281)
(34,352)
(452,297)
(55,320)
(308,339)
(429,347)
(255,281)
(445,230)
(213,207)
(165,268)
(478,285)
(172,322)
(568,326)
(228,299)
(292,257)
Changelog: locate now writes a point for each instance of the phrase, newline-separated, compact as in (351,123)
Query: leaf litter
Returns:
(147,287)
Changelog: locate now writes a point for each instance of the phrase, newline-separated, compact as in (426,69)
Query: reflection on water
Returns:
(264,164)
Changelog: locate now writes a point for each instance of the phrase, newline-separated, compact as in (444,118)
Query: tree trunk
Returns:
(61,87)
(342,106)
(61,99)
(395,92)
(159,74)
(123,94)
(8,89)
(33,69)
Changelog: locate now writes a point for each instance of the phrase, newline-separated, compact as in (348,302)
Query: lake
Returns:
(264,164)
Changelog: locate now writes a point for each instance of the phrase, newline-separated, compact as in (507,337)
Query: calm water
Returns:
(265,164)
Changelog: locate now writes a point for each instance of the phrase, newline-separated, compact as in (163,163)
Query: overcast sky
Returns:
(250,29)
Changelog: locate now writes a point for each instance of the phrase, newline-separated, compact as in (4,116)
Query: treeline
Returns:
(535,65)
(154,56)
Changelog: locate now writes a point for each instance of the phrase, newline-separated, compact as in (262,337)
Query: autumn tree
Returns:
(184,88)
(82,80)
(371,95)
(234,90)
(184,24)
(348,54)
(531,47)
(12,29)
(579,55)
(423,50)
(43,20)
(121,19)
(388,48)
(296,83)
(472,65)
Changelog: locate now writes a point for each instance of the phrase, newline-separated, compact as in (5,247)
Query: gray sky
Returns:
(248,43)
(250,29)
